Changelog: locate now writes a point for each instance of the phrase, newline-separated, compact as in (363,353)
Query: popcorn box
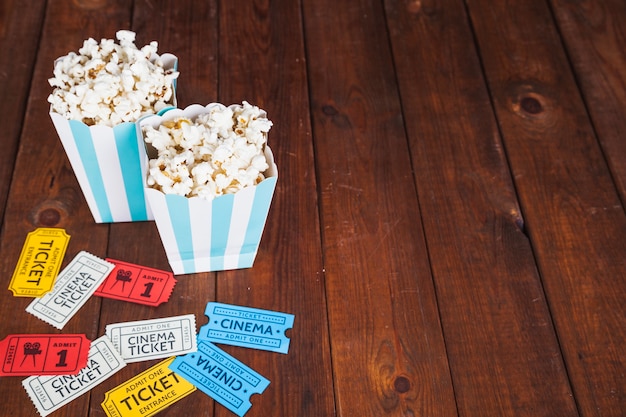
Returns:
(109,163)
(201,235)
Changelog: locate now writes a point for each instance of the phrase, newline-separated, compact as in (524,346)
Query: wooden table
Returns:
(448,227)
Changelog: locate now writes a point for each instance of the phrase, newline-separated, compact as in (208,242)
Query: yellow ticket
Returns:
(147,393)
(39,263)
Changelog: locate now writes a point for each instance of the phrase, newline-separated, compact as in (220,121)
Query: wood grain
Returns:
(387,346)
(594,35)
(19,34)
(448,225)
(573,214)
(501,345)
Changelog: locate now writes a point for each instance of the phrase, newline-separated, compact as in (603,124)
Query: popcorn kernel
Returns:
(107,83)
(219,152)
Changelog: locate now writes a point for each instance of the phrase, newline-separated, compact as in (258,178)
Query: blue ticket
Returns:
(220,376)
(246,327)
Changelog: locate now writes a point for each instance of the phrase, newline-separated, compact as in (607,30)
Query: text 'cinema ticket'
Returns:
(74,286)
(154,339)
(49,393)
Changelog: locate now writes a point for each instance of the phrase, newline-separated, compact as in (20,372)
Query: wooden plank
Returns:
(593,33)
(503,352)
(19,35)
(572,210)
(387,346)
(262,61)
(195,44)
(191,34)
(45,192)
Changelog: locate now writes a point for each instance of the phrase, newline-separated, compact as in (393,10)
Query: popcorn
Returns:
(219,152)
(109,83)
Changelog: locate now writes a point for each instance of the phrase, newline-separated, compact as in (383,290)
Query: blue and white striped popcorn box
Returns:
(109,164)
(201,235)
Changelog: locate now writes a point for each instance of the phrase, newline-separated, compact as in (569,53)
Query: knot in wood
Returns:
(530,99)
(531,105)
(48,217)
(55,211)
(401,384)
(329,110)
(338,118)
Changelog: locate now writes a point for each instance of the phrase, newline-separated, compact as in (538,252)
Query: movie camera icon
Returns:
(32,350)
(122,276)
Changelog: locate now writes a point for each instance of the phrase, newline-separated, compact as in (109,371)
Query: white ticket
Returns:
(49,393)
(73,287)
(151,339)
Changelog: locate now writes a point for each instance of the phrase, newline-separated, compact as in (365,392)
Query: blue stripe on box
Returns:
(84,144)
(258,216)
(128,154)
(220,226)
(178,208)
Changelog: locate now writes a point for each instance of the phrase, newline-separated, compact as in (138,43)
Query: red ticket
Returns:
(137,284)
(43,354)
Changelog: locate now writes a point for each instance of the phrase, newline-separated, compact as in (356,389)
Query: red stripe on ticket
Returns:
(137,284)
(43,354)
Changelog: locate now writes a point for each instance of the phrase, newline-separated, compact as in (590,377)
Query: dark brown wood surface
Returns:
(593,33)
(448,227)
(491,300)
(573,213)
(16,30)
